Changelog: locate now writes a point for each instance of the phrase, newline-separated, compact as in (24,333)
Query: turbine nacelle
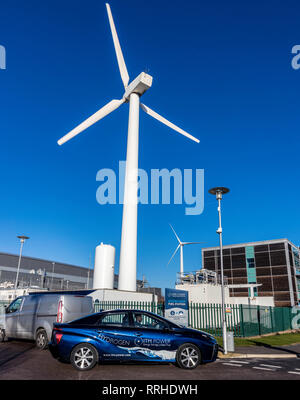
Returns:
(139,85)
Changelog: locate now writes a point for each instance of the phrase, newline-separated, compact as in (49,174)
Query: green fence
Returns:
(156,308)
(241,319)
(208,317)
(260,320)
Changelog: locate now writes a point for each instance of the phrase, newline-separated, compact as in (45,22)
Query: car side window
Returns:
(114,319)
(15,306)
(89,320)
(142,320)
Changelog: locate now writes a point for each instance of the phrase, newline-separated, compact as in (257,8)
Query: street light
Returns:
(22,240)
(218,192)
(53,264)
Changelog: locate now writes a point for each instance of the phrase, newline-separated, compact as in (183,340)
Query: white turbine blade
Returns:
(173,254)
(107,109)
(168,123)
(184,243)
(175,233)
(120,58)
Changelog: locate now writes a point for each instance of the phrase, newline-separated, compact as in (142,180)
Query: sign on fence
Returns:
(177,306)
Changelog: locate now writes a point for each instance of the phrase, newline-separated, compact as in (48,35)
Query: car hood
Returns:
(200,334)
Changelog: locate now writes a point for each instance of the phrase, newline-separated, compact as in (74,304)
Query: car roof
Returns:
(129,310)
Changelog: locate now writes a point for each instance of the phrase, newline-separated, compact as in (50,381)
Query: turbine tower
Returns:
(180,245)
(132,94)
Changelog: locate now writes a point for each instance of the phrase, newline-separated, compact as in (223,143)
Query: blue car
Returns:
(130,335)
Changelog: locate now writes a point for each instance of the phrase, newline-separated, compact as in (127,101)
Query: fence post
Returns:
(272,317)
(242,320)
(258,320)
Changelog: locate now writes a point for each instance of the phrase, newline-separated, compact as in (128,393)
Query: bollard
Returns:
(230,342)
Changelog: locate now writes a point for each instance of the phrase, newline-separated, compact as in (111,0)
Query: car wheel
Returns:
(188,356)
(41,339)
(84,357)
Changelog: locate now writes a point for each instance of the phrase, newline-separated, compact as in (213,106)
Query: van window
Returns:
(15,306)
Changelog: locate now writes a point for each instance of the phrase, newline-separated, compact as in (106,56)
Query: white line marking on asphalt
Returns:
(240,362)
(293,372)
(232,365)
(270,366)
(265,369)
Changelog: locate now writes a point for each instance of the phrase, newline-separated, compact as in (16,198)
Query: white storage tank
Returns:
(104,270)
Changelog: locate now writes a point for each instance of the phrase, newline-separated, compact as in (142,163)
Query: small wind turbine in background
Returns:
(132,94)
(180,245)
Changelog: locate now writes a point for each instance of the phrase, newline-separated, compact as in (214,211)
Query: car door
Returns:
(116,336)
(154,340)
(12,316)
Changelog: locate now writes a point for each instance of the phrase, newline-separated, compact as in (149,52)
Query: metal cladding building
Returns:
(41,273)
(274,264)
(45,274)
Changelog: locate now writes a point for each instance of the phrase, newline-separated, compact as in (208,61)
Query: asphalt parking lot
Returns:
(22,360)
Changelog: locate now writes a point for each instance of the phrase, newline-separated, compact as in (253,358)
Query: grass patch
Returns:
(275,340)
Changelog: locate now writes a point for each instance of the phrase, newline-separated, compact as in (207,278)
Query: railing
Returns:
(242,320)
(199,277)
(156,308)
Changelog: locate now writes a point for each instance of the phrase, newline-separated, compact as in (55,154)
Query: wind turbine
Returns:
(132,94)
(181,246)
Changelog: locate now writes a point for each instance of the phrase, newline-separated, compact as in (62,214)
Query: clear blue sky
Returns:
(221,70)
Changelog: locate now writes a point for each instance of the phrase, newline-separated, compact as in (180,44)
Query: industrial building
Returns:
(272,264)
(44,274)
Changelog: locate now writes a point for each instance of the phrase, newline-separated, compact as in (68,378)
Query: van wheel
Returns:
(41,339)
(84,357)
(2,335)
(188,356)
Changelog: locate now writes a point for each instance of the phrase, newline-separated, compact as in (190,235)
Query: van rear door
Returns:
(74,307)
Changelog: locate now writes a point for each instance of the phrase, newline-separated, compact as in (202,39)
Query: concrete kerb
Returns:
(239,355)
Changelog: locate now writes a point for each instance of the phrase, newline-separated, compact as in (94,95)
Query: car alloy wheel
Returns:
(188,356)
(84,357)
(42,339)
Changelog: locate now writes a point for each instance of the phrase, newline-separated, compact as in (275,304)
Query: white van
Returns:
(32,316)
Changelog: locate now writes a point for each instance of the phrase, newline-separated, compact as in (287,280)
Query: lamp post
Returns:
(88,278)
(218,192)
(22,240)
(53,264)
